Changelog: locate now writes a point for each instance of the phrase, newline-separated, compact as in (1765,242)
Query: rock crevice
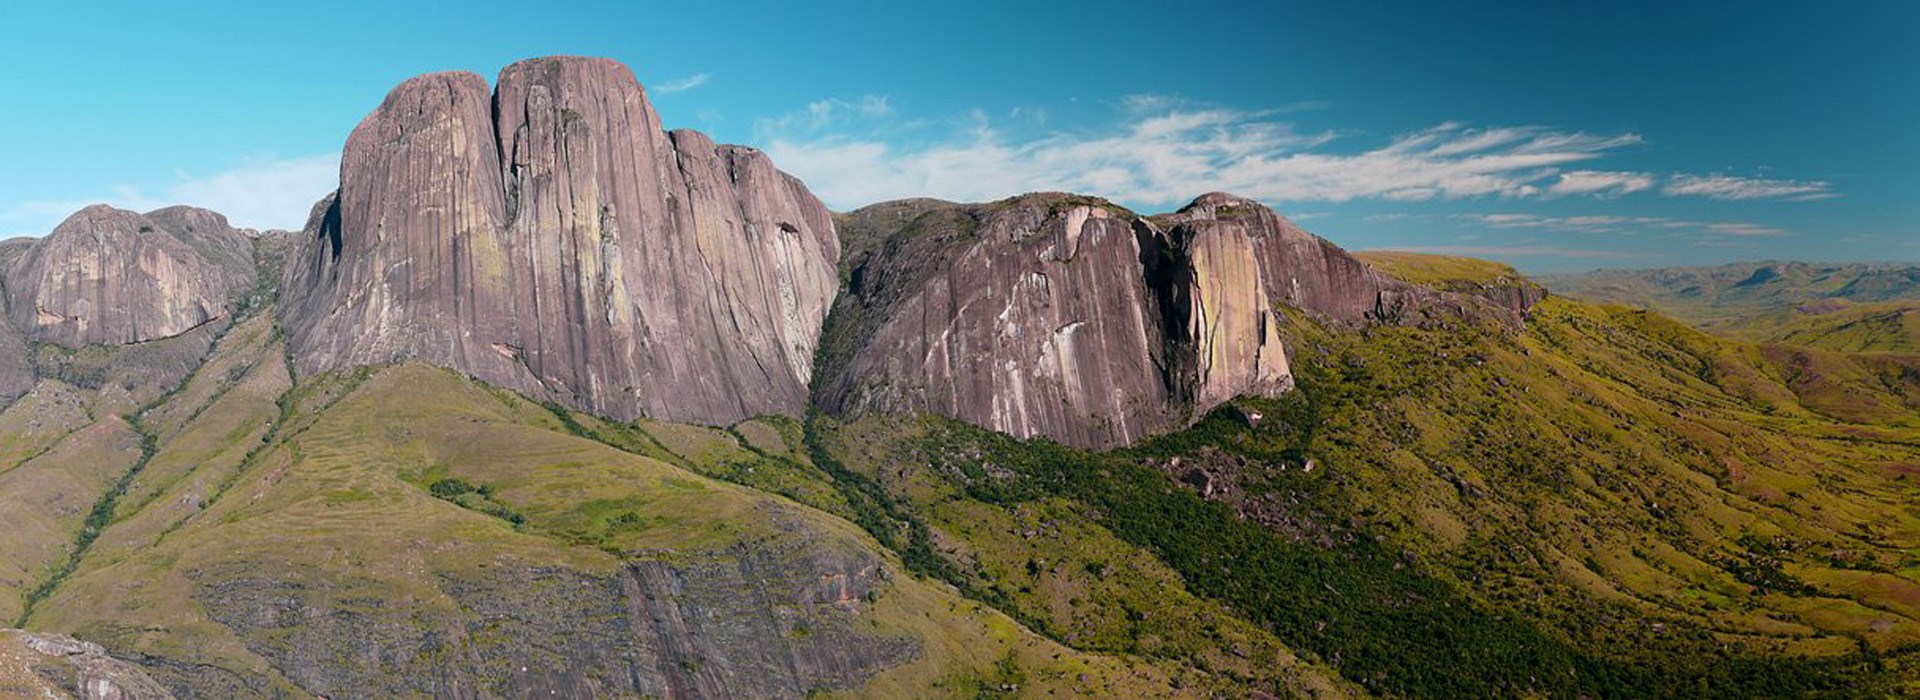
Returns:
(1069,317)
(626,270)
(107,276)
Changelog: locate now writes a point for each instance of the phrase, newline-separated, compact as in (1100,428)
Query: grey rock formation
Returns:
(553,239)
(1062,316)
(114,277)
(760,622)
(1032,316)
(16,368)
(55,666)
(1069,317)
(1294,267)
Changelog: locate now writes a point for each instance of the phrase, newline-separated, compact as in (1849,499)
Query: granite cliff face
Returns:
(107,276)
(1031,316)
(1072,318)
(553,239)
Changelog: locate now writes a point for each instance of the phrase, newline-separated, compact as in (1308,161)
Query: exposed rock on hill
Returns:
(553,239)
(114,277)
(16,371)
(1294,267)
(55,666)
(1070,317)
(1032,316)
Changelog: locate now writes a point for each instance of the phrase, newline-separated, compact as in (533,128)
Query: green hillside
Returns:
(404,530)
(1732,295)
(1605,503)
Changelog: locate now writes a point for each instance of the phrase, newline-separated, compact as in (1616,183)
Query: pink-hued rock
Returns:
(1069,317)
(1060,315)
(1031,316)
(553,239)
(109,276)
(1296,268)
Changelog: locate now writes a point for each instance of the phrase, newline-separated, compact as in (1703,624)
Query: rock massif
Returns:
(553,239)
(1073,318)
(107,276)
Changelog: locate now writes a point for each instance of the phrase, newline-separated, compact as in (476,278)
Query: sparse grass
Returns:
(342,500)
(1437,270)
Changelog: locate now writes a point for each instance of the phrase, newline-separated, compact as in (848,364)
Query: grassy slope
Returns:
(67,447)
(1436,270)
(1099,594)
(338,501)
(1752,497)
(1741,299)
(1835,325)
(1607,503)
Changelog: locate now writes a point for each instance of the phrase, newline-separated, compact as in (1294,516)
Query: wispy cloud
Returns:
(681,85)
(1745,230)
(1162,151)
(260,193)
(1600,183)
(1730,187)
(1521,251)
(1622,224)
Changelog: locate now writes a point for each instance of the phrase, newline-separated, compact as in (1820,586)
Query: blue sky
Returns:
(1557,136)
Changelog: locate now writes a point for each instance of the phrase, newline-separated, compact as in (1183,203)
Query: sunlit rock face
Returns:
(1071,318)
(115,277)
(552,238)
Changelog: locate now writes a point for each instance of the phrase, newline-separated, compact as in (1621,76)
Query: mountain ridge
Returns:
(445,441)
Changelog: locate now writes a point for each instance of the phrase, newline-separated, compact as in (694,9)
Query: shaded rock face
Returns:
(107,276)
(16,367)
(553,239)
(762,623)
(1069,317)
(1032,317)
(1294,267)
(1310,273)
(1058,316)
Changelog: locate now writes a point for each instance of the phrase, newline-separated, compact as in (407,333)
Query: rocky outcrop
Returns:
(114,277)
(1072,318)
(16,368)
(54,666)
(553,239)
(770,620)
(1031,316)
(1295,268)
(1069,317)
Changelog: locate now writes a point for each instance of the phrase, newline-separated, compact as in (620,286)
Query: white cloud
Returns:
(1742,188)
(1600,183)
(681,85)
(1161,153)
(1744,230)
(1623,225)
(261,193)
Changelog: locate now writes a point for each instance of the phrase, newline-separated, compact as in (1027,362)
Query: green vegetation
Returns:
(1606,503)
(384,495)
(90,529)
(1730,297)
(1836,325)
(467,496)
(1437,270)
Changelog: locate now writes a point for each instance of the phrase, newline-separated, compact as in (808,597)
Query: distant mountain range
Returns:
(1842,306)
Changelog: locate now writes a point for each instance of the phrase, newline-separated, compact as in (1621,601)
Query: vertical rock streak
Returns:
(1075,320)
(114,277)
(550,237)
